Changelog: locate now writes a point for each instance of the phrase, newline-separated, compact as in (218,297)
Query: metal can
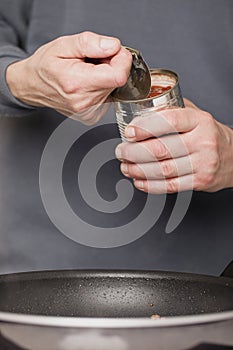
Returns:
(165,93)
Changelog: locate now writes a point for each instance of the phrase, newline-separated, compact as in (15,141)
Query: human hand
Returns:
(176,150)
(62,76)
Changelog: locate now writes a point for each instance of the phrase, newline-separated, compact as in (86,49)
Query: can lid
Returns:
(139,82)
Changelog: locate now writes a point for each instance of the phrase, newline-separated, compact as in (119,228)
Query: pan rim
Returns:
(114,273)
(113,322)
(91,322)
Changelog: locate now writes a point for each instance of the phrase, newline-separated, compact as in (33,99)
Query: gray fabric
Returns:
(194,38)
(13,33)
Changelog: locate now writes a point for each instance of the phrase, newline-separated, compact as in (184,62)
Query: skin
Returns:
(195,152)
(59,76)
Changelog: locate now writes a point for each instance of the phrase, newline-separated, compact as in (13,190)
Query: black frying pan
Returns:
(83,296)
(114,293)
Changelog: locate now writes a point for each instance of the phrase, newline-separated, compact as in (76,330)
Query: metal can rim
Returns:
(164,71)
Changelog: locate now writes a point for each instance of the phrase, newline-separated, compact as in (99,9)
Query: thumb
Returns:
(87,44)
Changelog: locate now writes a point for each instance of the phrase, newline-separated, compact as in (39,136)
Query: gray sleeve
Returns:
(14,21)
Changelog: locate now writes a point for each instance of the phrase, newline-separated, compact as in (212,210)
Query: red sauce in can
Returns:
(157,90)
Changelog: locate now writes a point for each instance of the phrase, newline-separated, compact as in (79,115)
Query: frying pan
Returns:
(87,310)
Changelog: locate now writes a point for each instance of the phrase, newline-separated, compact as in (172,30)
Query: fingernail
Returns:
(130,132)
(107,43)
(124,168)
(118,153)
(140,185)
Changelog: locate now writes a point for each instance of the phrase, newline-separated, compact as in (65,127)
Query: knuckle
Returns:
(159,150)
(204,181)
(172,185)
(86,34)
(207,181)
(213,143)
(211,140)
(214,163)
(83,39)
(168,169)
(121,78)
(69,86)
(173,119)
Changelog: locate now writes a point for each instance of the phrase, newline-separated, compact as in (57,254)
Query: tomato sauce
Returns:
(157,90)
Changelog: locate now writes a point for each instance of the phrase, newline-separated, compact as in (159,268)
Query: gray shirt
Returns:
(193,38)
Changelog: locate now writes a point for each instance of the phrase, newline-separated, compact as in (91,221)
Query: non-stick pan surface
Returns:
(113,294)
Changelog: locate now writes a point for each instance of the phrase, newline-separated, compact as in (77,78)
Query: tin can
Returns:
(165,93)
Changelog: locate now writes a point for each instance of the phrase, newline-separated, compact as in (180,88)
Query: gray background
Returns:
(194,38)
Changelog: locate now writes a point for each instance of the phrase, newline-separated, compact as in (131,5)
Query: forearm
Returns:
(13,34)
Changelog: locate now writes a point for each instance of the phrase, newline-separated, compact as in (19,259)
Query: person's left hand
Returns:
(177,150)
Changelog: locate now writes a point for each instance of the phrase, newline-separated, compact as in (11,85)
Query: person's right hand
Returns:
(61,75)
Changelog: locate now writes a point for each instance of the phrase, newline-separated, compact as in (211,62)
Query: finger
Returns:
(152,150)
(174,185)
(102,76)
(154,124)
(158,170)
(86,44)
(114,74)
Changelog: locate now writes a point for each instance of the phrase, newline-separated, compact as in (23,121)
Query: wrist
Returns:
(14,76)
(17,80)
(227,153)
